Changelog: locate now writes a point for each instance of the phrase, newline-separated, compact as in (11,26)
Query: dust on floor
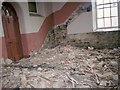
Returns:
(63,67)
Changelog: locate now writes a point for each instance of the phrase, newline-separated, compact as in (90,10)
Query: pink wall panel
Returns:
(61,15)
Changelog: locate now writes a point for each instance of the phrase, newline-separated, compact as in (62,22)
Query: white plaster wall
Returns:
(57,6)
(81,24)
(28,24)
(46,8)
(41,8)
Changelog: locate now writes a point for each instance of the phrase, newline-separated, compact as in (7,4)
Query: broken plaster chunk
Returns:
(99,58)
(106,74)
(115,77)
(114,63)
(34,82)
(58,84)
(101,64)
(34,65)
(35,53)
(103,83)
(25,71)
(90,48)
(85,86)
(23,80)
(43,84)
(16,72)
(71,56)
(39,69)
(8,61)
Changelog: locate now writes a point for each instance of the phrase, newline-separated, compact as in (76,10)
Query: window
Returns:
(106,14)
(32,7)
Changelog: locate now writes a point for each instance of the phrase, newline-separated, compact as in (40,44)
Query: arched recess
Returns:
(11,32)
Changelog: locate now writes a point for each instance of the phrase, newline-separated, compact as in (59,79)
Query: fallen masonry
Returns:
(63,66)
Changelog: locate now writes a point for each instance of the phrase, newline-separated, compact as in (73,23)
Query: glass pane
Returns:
(114,11)
(107,12)
(32,7)
(106,1)
(99,2)
(99,13)
(107,5)
(107,22)
(114,5)
(100,23)
(115,21)
(113,1)
(100,6)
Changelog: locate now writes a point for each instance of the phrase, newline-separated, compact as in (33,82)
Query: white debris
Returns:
(39,69)
(58,84)
(8,61)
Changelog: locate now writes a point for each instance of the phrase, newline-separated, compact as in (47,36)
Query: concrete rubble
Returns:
(61,63)
(63,66)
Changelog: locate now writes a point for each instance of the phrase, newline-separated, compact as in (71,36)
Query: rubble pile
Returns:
(58,34)
(63,66)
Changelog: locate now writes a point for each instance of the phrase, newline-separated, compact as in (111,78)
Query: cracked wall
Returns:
(59,34)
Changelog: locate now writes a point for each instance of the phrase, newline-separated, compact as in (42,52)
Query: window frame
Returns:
(95,18)
(33,13)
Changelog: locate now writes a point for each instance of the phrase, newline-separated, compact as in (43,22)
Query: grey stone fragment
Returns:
(58,84)
(39,69)
(114,63)
(115,77)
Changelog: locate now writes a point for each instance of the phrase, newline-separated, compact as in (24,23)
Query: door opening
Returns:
(11,32)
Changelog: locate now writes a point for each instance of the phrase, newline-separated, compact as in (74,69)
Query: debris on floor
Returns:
(63,67)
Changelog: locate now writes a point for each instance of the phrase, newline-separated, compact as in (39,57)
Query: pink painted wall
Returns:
(4,51)
(33,41)
(61,15)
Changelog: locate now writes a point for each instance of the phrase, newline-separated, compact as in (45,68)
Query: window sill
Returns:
(35,14)
(108,29)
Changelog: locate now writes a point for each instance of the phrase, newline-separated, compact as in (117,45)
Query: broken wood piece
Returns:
(97,79)
(4,85)
(48,80)
(30,85)
(6,75)
(72,80)
(30,66)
